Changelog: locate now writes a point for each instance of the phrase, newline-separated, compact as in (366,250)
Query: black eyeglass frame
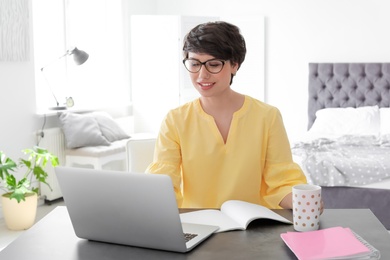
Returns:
(204,64)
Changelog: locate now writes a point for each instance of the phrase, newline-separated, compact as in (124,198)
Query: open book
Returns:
(234,215)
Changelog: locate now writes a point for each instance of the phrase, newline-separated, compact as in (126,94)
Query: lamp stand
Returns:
(79,58)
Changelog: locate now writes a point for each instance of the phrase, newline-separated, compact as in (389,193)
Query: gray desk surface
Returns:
(53,238)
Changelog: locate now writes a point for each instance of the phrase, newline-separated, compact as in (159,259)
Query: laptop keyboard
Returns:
(189,236)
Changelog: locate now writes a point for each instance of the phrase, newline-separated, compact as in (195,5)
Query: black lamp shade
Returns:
(79,56)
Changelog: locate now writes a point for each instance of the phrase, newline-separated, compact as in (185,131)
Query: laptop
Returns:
(134,209)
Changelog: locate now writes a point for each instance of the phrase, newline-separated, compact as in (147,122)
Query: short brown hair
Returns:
(219,39)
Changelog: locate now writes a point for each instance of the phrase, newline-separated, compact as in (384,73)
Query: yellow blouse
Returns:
(255,164)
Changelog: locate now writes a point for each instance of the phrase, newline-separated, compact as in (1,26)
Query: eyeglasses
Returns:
(213,66)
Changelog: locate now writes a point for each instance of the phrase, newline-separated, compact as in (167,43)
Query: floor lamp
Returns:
(79,57)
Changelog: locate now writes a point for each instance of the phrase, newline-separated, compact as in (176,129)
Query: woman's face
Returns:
(209,84)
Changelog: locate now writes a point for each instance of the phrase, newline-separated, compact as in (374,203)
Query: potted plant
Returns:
(20,199)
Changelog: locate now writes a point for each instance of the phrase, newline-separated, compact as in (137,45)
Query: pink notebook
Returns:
(330,243)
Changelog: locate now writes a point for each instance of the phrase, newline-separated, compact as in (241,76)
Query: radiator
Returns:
(54,141)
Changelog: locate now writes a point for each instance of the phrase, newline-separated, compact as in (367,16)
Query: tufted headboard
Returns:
(347,85)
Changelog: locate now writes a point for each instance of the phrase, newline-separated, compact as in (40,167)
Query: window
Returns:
(96,27)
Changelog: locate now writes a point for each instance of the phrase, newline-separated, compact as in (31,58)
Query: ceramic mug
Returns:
(306,207)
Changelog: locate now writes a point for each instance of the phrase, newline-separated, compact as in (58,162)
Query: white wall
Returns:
(17,106)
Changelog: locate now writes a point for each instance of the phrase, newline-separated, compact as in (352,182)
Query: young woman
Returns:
(224,145)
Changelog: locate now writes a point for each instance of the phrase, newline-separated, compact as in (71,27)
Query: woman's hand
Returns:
(286,202)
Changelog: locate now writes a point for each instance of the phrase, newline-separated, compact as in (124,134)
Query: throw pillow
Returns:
(110,129)
(347,121)
(81,130)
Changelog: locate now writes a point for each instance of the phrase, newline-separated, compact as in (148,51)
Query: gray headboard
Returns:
(347,85)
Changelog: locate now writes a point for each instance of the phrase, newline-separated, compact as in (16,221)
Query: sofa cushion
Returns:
(81,130)
(110,129)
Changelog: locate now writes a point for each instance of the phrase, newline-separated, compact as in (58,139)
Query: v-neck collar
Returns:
(233,123)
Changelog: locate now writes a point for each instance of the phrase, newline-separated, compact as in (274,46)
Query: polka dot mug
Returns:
(306,207)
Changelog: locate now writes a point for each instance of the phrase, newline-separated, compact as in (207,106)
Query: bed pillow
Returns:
(81,130)
(110,129)
(384,113)
(347,121)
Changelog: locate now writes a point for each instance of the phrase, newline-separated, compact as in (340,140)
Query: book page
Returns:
(234,215)
(210,217)
(244,212)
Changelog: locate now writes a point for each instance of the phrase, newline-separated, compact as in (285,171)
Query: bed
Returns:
(346,149)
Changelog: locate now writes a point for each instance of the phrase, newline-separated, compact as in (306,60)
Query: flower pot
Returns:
(19,216)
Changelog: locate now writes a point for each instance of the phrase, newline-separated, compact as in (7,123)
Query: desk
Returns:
(53,238)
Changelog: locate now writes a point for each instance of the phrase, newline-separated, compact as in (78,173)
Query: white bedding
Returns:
(384,184)
(354,161)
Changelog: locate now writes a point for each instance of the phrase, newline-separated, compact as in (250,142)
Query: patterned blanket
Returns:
(345,161)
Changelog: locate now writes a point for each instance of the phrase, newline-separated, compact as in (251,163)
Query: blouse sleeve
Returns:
(167,156)
(280,172)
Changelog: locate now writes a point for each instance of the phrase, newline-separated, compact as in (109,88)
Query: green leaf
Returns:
(20,190)
(6,164)
(37,159)
(54,161)
(26,162)
(40,174)
(40,150)
(36,190)
(19,194)
(11,182)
